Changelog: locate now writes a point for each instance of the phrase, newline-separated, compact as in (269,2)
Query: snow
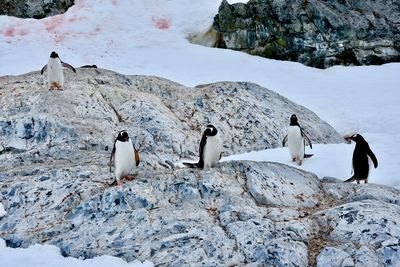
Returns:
(50,256)
(2,211)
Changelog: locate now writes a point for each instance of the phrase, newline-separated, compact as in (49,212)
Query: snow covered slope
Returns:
(150,37)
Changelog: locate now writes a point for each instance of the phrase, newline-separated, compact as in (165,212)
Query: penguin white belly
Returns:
(124,159)
(212,151)
(55,73)
(295,143)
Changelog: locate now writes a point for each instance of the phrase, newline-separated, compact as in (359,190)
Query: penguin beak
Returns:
(348,138)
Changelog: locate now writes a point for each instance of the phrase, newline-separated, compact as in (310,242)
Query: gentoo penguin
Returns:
(125,156)
(296,140)
(55,71)
(361,155)
(210,149)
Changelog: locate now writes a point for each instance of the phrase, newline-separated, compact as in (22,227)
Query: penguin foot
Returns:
(300,162)
(55,86)
(119,183)
(293,159)
(129,177)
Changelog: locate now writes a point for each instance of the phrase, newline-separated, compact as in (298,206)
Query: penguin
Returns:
(125,156)
(361,155)
(296,140)
(55,71)
(210,149)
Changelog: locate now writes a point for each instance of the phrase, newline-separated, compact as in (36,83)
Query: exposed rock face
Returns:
(54,178)
(203,217)
(317,33)
(34,8)
(167,117)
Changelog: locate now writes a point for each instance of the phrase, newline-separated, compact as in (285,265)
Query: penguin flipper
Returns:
(43,69)
(112,155)
(284,141)
(373,157)
(137,157)
(136,154)
(307,140)
(66,65)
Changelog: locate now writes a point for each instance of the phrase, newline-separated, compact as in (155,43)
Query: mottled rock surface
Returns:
(166,117)
(317,33)
(34,8)
(54,178)
(200,217)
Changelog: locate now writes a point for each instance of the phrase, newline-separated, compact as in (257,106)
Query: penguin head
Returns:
(210,130)
(293,120)
(54,55)
(123,136)
(356,138)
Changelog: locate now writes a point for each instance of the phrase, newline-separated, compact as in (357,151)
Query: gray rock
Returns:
(167,118)
(191,217)
(356,192)
(313,32)
(267,189)
(366,256)
(334,257)
(34,8)
(54,180)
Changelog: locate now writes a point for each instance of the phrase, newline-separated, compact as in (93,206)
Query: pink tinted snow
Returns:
(9,32)
(52,23)
(161,23)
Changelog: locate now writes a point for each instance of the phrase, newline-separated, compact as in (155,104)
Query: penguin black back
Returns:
(360,158)
(210,131)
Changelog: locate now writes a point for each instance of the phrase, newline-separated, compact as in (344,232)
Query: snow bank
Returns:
(50,256)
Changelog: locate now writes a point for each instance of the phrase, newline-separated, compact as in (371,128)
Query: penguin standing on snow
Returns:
(125,156)
(361,156)
(55,72)
(210,149)
(296,140)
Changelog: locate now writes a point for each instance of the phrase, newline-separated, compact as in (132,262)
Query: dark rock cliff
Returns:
(317,33)
(34,8)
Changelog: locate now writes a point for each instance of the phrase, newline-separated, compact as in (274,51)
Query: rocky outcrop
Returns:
(166,117)
(37,9)
(54,178)
(316,33)
(238,213)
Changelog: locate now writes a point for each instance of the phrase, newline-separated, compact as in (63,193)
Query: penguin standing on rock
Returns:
(55,72)
(361,156)
(296,140)
(210,149)
(125,156)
